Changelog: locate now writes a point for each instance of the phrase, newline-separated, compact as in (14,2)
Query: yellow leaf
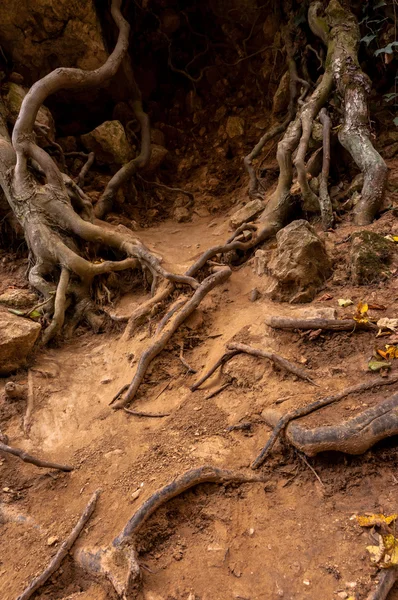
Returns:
(344,302)
(391,351)
(386,553)
(375,519)
(395,238)
(361,314)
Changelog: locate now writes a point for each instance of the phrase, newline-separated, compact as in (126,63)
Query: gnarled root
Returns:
(283,421)
(28,458)
(118,563)
(354,87)
(163,336)
(387,579)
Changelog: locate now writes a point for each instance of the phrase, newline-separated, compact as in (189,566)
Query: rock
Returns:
(158,137)
(247,213)
(235,127)
(158,154)
(17,337)
(300,265)
(94,592)
(181,214)
(261,258)
(370,255)
(38,36)
(13,97)
(281,97)
(109,142)
(18,298)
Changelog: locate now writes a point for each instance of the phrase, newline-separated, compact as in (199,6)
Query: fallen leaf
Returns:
(377,307)
(344,302)
(325,297)
(375,519)
(386,323)
(391,351)
(385,555)
(361,313)
(377,365)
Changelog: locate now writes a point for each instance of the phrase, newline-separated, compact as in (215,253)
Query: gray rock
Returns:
(109,142)
(17,337)
(370,256)
(18,298)
(300,264)
(247,213)
(158,154)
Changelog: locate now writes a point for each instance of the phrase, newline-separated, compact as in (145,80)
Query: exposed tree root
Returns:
(324,198)
(235,348)
(291,323)
(118,563)
(352,436)
(387,579)
(85,169)
(55,563)
(28,458)
(306,410)
(163,337)
(27,420)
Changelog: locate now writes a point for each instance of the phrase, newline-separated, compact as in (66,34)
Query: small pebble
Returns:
(342,595)
(52,540)
(251,531)
(306,582)
(254,295)
(135,494)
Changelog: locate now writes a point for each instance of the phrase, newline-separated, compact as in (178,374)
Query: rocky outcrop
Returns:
(109,143)
(41,35)
(17,298)
(370,256)
(17,338)
(300,265)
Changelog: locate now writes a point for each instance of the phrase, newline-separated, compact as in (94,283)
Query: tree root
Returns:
(55,563)
(27,420)
(387,579)
(235,348)
(139,413)
(306,410)
(324,198)
(85,169)
(28,458)
(118,563)
(163,337)
(290,323)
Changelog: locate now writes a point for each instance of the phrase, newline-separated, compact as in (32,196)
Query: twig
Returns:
(63,550)
(240,427)
(387,578)
(300,455)
(27,420)
(324,324)
(235,348)
(217,390)
(138,413)
(169,189)
(28,458)
(306,410)
(164,336)
(184,362)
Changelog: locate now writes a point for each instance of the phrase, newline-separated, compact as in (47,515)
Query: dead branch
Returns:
(386,581)
(138,413)
(184,362)
(324,198)
(324,324)
(218,390)
(163,337)
(235,348)
(28,458)
(63,550)
(306,410)
(27,420)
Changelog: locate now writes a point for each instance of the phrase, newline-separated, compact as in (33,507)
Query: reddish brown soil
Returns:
(292,537)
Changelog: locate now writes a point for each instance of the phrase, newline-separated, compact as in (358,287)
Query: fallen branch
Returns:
(306,410)
(387,578)
(63,550)
(138,413)
(163,337)
(324,324)
(28,458)
(119,561)
(184,362)
(218,390)
(27,420)
(235,348)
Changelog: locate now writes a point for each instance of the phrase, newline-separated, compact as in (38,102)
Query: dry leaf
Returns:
(344,302)
(376,306)
(386,323)
(325,297)
(377,365)
(375,519)
(385,555)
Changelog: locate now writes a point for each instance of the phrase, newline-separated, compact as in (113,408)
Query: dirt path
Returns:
(291,537)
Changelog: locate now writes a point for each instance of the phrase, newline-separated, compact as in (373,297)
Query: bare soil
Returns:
(291,537)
